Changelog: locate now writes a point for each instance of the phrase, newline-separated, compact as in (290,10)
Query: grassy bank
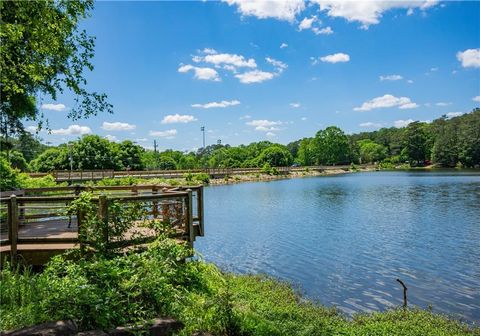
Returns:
(103,292)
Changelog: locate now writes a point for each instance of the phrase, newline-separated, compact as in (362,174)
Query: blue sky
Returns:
(279,71)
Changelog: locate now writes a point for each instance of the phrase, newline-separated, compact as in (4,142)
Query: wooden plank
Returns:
(13,228)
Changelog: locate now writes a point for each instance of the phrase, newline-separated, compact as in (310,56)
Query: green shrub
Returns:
(202,177)
(267,169)
(188,177)
(38,182)
(123,181)
(9,178)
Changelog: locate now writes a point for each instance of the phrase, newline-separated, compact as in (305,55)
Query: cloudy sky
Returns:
(256,70)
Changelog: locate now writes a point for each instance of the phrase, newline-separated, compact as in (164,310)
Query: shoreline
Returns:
(235,179)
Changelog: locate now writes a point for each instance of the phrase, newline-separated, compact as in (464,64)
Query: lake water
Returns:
(344,240)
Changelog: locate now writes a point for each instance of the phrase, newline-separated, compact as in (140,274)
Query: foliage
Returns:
(276,156)
(331,146)
(446,142)
(16,160)
(43,50)
(201,177)
(416,137)
(26,181)
(8,175)
(128,155)
(371,151)
(106,292)
(49,160)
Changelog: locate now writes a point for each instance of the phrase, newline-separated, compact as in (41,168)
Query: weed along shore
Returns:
(135,271)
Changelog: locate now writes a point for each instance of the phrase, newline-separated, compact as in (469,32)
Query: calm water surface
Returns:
(343,240)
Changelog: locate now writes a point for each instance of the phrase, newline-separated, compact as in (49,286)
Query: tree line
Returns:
(444,142)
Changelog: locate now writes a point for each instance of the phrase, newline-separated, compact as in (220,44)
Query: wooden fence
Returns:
(35,220)
(91,175)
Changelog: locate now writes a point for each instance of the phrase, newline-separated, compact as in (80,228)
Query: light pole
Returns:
(202,129)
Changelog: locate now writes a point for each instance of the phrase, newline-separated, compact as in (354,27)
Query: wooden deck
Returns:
(35,238)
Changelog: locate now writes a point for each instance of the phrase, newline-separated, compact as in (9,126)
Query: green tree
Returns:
(167,163)
(371,151)
(8,175)
(43,51)
(275,156)
(17,161)
(445,148)
(415,146)
(331,146)
(469,139)
(55,158)
(305,154)
(128,155)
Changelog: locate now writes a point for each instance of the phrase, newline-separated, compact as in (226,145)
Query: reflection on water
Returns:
(345,239)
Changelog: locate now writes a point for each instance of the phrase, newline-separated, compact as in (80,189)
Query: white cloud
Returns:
(408,106)
(369,124)
(443,104)
(402,123)
(232,60)
(307,23)
(454,114)
(31,129)
(201,73)
(141,140)
(476,99)
(73,130)
(295,105)
(386,101)
(265,125)
(279,65)
(410,81)
(209,51)
(303,118)
(434,69)
(270,134)
(391,78)
(118,126)
(53,107)
(222,104)
(335,58)
(112,138)
(282,10)
(283,45)
(177,118)
(368,12)
(245,117)
(169,134)
(254,76)
(323,31)
(469,58)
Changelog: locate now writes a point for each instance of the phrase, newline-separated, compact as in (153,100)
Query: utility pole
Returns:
(203,130)
(155,153)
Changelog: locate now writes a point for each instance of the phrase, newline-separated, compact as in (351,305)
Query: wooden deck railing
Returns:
(22,214)
(88,175)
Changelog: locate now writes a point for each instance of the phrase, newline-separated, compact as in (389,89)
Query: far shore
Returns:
(298,174)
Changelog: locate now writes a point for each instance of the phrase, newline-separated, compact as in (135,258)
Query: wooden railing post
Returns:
(200,210)
(103,216)
(13,228)
(191,233)
(155,203)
